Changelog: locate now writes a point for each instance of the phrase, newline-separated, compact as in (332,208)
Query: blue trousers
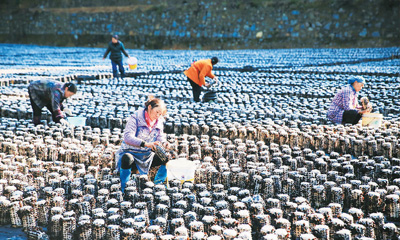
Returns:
(128,166)
(114,68)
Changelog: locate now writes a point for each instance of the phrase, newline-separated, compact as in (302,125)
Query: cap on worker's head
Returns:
(115,36)
(356,79)
(71,87)
(214,60)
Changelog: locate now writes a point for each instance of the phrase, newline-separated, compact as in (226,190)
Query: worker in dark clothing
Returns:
(50,94)
(116,47)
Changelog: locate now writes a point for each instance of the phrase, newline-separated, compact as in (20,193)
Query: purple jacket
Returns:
(345,99)
(135,132)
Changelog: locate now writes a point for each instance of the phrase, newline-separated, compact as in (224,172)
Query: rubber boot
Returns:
(36,120)
(161,175)
(124,175)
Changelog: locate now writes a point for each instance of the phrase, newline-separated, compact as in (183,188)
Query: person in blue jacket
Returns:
(116,47)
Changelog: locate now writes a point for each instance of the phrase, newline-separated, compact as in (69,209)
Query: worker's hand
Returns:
(64,122)
(369,107)
(104,58)
(207,85)
(152,145)
(68,112)
(166,145)
(149,145)
(365,111)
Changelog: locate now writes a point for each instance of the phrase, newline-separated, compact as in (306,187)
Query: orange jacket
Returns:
(199,70)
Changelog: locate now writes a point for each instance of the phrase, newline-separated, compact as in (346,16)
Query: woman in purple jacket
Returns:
(345,107)
(144,130)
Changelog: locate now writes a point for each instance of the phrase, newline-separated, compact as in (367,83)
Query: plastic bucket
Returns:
(76,121)
(132,62)
(372,119)
(181,169)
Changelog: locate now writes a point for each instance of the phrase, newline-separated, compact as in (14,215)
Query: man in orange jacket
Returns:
(196,75)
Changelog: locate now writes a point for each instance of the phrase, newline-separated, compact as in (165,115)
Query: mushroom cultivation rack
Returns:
(270,166)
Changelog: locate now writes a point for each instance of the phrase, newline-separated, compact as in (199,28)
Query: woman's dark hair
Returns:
(214,60)
(155,102)
(71,87)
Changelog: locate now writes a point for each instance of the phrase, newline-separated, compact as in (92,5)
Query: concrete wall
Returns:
(192,24)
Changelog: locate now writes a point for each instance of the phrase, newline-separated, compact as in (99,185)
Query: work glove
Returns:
(68,112)
(64,122)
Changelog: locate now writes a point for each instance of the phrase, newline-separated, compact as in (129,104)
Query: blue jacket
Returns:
(115,50)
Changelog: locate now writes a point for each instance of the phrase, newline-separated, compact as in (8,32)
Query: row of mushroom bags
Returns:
(269,164)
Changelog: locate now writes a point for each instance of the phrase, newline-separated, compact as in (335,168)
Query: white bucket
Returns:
(132,62)
(181,169)
(372,120)
(76,121)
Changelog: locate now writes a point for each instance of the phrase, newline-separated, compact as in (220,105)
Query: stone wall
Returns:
(214,24)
